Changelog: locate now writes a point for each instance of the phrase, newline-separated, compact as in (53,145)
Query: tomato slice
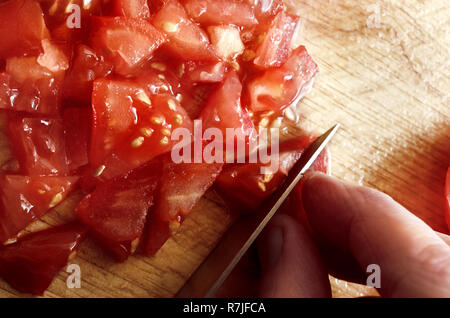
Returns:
(245,187)
(186,39)
(25,199)
(212,12)
(127,43)
(280,87)
(223,110)
(87,66)
(276,46)
(77,125)
(39,145)
(31,264)
(31,87)
(116,211)
(22,27)
(175,200)
(134,9)
(129,127)
(447,193)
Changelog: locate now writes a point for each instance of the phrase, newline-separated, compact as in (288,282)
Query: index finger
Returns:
(374,229)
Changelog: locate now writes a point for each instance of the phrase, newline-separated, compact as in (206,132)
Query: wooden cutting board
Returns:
(385,76)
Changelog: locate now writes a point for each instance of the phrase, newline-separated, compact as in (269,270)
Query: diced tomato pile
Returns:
(93,91)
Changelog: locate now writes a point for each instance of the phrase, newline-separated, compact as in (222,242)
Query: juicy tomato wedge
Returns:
(22,27)
(278,88)
(31,263)
(39,145)
(447,194)
(247,187)
(276,45)
(77,124)
(213,12)
(126,43)
(25,199)
(116,211)
(186,39)
(87,66)
(129,127)
(175,200)
(134,9)
(31,87)
(266,9)
(223,110)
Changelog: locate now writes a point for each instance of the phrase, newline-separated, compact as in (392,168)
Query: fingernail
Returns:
(271,246)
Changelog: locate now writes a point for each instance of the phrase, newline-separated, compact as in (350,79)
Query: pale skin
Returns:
(353,227)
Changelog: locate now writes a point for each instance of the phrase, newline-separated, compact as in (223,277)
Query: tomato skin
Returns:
(134,9)
(276,46)
(25,199)
(224,12)
(296,76)
(39,145)
(186,39)
(22,27)
(87,66)
(447,194)
(116,210)
(77,124)
(31,263)
(126,43)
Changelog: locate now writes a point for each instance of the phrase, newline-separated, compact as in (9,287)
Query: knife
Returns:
(218,265)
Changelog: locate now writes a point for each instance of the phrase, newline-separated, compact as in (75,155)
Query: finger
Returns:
(374,229)
(290,262)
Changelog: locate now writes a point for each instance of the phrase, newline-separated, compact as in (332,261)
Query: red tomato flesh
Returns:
(280,87)
(116,211)
(31,264)
(25,199)
(134,9)
(129,127)
(186,39)
(126,43)
(22,27)
(213,12)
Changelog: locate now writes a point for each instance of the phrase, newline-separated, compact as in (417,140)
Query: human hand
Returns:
(353,228)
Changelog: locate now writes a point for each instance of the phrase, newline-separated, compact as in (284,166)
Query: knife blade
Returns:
(218,265)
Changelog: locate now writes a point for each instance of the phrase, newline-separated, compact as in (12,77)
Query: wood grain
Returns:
(388,84)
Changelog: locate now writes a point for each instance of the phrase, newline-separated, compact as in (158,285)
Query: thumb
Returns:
(290,262)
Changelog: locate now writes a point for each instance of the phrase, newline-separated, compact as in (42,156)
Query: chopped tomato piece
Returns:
(77,124)
(31,88)
(129,127)
(223,110)
(276,45)
(213,12)
(202,72)
(87,66)
(176,200)
(186,39)
(31,264)
(39,145)
(127,43)
(227,41)
(117,209)
(280,87)
(22,27)
(25,199)
(57,12)
(134,9)
(244,184)
(447,194)
(266,9)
